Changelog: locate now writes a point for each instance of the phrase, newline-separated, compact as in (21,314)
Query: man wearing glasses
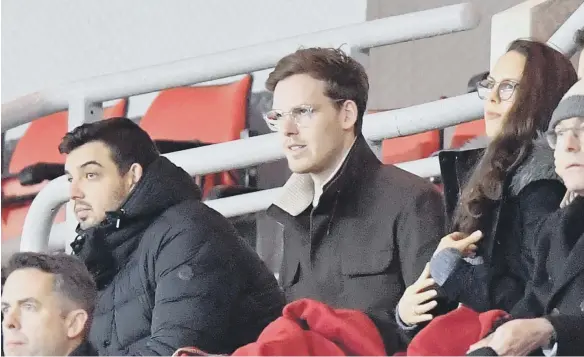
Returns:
(356,232)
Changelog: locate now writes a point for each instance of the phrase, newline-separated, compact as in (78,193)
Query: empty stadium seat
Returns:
(37,149)
(409,148)
(194,116)
(467,131)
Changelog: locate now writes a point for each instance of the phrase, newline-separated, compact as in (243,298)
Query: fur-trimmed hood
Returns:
(539,165)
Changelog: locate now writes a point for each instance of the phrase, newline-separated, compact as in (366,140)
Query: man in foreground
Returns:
(47,304)
(170,271)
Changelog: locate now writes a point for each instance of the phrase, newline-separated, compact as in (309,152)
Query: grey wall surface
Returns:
(423,70)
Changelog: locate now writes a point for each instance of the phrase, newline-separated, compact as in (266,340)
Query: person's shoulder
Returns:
(188,210)
(537,166)
(191,217)
(392,179)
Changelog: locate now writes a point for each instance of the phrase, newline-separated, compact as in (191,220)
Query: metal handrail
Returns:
(386,31)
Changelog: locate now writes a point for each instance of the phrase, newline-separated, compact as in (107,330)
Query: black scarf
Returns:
(105,249)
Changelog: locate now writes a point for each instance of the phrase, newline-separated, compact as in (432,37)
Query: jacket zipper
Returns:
(310,232)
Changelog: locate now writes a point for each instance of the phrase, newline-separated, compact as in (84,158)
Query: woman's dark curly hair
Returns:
(547,76)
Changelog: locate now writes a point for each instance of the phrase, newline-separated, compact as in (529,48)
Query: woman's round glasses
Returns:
(505,88)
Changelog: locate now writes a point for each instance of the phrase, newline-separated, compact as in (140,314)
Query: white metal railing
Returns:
(365,35)
(261,200)
(84,98)
(252,151)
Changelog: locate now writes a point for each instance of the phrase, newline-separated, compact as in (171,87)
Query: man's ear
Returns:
(76,322)
(349,114)
(134,175)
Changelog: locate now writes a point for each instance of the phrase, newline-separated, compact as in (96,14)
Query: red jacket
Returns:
(452,334)
(311,328)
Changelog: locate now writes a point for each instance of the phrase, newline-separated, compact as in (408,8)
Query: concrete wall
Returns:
(535,19)
(419,71)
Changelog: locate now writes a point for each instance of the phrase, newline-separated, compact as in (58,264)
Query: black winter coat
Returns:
(370,236)
(556,290)
(172,272)
(531,192)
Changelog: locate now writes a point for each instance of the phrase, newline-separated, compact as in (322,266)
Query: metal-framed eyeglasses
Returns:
(301,115)
(505,88)
(559,134)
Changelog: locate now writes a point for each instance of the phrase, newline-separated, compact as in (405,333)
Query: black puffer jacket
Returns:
(172,272)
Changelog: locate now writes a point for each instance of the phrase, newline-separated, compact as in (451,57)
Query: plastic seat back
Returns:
(211,114)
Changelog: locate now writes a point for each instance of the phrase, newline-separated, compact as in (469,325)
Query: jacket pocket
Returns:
(290,274)
(364,262)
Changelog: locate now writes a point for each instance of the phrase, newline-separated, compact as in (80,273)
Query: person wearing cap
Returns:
(551,314)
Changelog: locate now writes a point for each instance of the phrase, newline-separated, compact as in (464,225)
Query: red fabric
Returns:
(452,334)
(212,114)
(329,332)
(311,328)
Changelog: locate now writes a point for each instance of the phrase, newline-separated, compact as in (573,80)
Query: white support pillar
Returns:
(532,19)
(81,111)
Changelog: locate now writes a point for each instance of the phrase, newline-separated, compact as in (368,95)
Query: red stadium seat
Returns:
(39,144)
(467,131)
(210,114)
(409,148)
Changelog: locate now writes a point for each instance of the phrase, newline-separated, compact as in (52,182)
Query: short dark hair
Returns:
(128,142)
(72,279)
(345,77)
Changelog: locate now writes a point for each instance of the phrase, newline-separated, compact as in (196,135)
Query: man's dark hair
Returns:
(128,142)
(72,279)
(345,77)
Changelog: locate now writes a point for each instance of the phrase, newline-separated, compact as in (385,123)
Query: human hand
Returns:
(519,337)
(413,306)
(466,245)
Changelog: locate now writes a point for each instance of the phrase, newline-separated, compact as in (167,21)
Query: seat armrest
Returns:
(223,191)
(39,172)
(168,146)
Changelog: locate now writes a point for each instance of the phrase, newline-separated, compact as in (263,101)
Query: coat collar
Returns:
(572,227)
(538,165)
(298,192)
(84,349)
